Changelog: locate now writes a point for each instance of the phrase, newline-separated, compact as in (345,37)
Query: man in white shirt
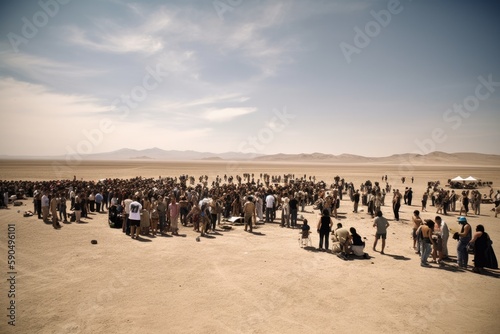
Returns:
(134,217)
(126,206)
(270,207)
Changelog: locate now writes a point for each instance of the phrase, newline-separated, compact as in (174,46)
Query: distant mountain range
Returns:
(157,154)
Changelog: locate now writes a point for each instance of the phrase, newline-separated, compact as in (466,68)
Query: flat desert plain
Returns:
(237,282)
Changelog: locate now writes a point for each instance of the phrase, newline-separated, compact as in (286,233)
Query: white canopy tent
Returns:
(471,179)
(458,179)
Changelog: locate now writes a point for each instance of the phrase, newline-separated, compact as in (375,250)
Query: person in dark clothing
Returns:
(409,196)
(294,209)
(482,244)
(357,244)
(396,204)
(356,201)
(324,228)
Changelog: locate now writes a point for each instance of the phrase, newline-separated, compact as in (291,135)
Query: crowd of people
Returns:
(152,206)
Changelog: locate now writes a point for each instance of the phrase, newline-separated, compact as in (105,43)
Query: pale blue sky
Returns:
(225,68)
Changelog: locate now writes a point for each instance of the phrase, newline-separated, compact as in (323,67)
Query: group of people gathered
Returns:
(159,206)
(430,239)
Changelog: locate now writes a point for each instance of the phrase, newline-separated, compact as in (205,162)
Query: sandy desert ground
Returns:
(234,281)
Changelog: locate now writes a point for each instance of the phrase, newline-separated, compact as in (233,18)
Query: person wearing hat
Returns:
(464,236)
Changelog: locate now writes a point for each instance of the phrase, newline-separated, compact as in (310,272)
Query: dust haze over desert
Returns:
(245,97)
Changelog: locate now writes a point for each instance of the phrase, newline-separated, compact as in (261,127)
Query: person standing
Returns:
(497,198)
(173,209)
(464,236)
(212,207)
(417,222)
(91,201)
(356,201)
(106,199)
(259,206)
(409,196)
(154,216)
(126,206)
(134,218)
(465,204)
(62,208)
(162,211)
(294,209)
(381,224)
(269,207)
(77,206)
(184,209)
(477,203)
(445,234)
(38,203)
(482,244)
(99,202)
(285,211)
(72,195)
(324,227)
(249,213)
(236,206)
(396,204)
(425,197)
(371,203)
(453,201)
(45,207)
(426,244)
(53,211)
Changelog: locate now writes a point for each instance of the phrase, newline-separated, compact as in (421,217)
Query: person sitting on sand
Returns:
(306,229)
(304,234)
(343,237)
(357,244)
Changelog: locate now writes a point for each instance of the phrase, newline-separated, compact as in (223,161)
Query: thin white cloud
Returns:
(116,42)
(226,114)
(43,69)
(207,100)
